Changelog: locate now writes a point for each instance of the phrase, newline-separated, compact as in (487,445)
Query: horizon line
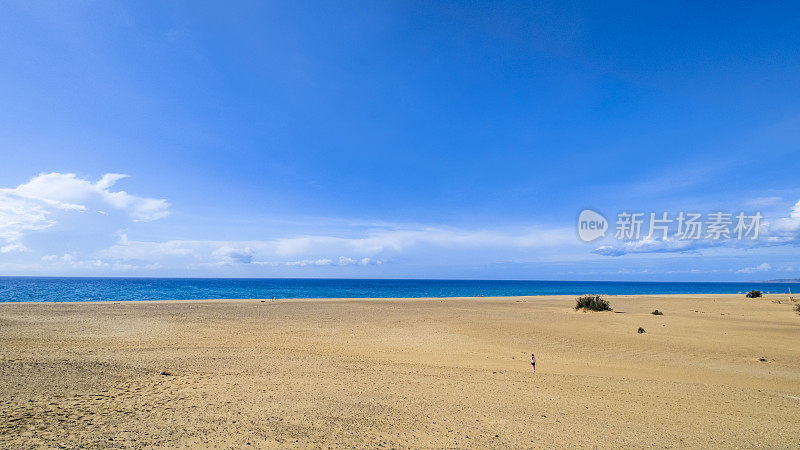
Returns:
(776,281)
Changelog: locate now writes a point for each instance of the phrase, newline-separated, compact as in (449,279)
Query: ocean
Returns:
(57,289)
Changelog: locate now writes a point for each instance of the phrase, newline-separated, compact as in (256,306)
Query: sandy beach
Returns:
(713,371)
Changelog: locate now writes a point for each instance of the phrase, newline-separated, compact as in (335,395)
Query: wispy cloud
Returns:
(649,245)
(341,261)
(763,267)
(373,247)
(764,201)
(73,261)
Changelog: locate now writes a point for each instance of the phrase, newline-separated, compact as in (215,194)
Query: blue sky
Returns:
(393,139)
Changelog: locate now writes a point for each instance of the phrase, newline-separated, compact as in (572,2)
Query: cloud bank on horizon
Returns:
(37,206)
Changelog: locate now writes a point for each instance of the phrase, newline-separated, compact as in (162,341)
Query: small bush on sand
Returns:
(753,294)
(657,313)
(640,330)
(592,303)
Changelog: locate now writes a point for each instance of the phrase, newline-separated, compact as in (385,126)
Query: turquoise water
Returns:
(47,289)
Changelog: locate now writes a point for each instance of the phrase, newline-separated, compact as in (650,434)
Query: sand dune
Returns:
(401,373)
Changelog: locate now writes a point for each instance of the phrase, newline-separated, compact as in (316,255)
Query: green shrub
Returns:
(640,330)
(753,294)
(592,303)
(657,313)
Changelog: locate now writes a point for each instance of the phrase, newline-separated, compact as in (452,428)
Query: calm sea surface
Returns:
(47,289)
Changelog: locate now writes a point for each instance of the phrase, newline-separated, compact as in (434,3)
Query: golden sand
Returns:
(401,373)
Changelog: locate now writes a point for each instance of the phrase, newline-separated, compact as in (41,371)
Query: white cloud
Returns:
(371,248)
(310,262)
(32,206)
(760,268)
(341,261)
(764,201)
(234,255)
(400,239)
(789,227)
(68,188)
(783,231)
(72,261)
(20,214)
(649,245)
(13,247)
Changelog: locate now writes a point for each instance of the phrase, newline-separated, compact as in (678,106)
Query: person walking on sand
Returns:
(533,362)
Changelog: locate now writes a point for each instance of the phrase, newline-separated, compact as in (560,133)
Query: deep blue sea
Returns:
(48,289)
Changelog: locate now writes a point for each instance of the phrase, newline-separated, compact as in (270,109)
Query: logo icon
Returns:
(591,225)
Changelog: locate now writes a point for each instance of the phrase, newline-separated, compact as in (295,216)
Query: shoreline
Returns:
(771,297)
